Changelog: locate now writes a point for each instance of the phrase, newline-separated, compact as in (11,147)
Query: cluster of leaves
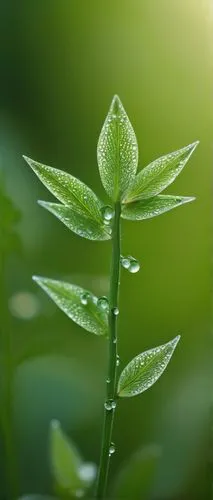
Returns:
(84,213)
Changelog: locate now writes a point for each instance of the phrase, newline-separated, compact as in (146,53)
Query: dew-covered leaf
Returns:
(71,474)
(84,226)
(136,476)
(69,190)
(77,303)
(145,369)
(117,151)
(159,174)
(146,209)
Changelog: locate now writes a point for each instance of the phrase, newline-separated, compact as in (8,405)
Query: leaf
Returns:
(9,217)
(82,225)
(145,369)
(65,460)
(159,174)
(117,151)
(146,209)
(71,474)
(69,190)
(77,303)
(136,476)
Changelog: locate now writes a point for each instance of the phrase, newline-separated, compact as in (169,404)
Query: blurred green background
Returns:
(62,61)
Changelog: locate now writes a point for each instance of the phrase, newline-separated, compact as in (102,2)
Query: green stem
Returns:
(7,410)
(111,385)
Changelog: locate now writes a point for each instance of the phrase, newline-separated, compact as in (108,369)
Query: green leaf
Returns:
(82,225)
(157,176)
(117,151)
(9,217)
(77,303)
(136,476)
(71,474)
(145,369)
(64,459)
(69,190)
(146,209)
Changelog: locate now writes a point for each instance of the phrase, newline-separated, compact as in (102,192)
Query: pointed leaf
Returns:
(135,478)
(77,303)
(117,151)
(71,474)
(146,209)
(69,190)
(84,226)
(145,369)
(65,459)
(154,178)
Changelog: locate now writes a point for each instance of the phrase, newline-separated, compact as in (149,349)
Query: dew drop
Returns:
(111,449)
(85,298)
(125,262)
(107,213)
(117,360)
(108,380)
(115,340)
(103,303)
(115,311)
(134,266)
(108,405)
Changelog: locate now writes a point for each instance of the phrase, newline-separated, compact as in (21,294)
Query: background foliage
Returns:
(61,64)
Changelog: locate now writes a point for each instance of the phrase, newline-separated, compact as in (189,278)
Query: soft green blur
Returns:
(62,63)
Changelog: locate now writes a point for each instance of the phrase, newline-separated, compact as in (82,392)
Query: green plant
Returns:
(9,243)
(134,197)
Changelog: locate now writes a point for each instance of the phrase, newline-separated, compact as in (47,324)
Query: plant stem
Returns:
(111,385)
(6,412)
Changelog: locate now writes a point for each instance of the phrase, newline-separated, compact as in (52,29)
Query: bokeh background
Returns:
(61,63)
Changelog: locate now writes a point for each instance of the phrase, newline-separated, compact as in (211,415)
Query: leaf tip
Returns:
(35,278)
(192,147)
(116,104)
(27,159)
(42,203)
(176,340)
(55,424)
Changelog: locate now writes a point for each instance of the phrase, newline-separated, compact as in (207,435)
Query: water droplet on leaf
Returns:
(117,360)
(115,311)
(85,298)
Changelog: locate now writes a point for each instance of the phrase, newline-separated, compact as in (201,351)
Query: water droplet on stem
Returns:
(107,213)
(103,303)
(111,449)
(115,311)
